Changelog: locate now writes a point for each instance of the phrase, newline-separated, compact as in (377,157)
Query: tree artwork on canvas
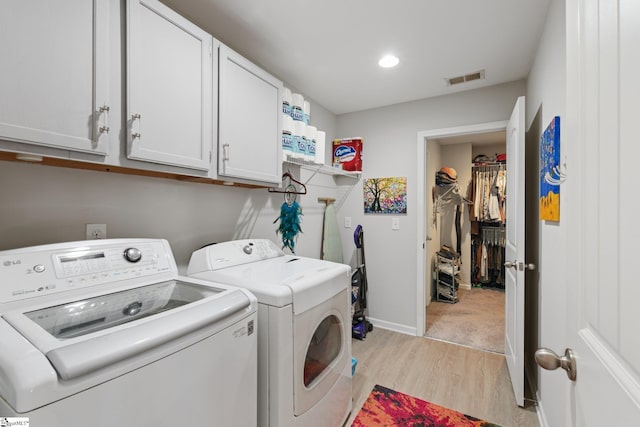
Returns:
(385,195)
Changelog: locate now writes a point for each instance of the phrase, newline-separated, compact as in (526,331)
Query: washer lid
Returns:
(303,282)
(82,336)
(81,317)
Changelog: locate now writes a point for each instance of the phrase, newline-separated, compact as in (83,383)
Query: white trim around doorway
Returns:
(422,241)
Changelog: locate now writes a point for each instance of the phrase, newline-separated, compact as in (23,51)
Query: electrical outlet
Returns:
(96,231)
(347,222)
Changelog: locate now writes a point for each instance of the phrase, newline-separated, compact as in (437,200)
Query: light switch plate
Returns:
(347,222)
(395,224)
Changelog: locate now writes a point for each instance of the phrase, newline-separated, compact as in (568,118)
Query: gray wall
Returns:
(390,149)
(47,204)
(546,93)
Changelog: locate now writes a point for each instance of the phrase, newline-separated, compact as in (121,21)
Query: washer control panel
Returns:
(40,270)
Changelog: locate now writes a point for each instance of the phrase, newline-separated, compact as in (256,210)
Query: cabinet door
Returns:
(249,126)
(54,74)
(169,87)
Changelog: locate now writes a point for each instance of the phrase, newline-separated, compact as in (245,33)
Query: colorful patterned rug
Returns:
(386,407)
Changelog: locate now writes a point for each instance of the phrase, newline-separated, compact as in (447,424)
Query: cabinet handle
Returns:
(225,152)
(135,135)
(104,110)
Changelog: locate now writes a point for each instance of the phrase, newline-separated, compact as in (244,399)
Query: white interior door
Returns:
(602,97)
(514,252)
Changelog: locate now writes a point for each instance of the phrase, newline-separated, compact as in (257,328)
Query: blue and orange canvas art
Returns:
(549,171)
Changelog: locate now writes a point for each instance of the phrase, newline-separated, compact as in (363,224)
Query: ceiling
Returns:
(328,49)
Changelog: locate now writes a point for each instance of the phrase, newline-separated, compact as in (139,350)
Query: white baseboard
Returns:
(396,327)
(466,286)
(542,419)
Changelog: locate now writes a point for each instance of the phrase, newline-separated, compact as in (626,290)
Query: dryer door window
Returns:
(323,349)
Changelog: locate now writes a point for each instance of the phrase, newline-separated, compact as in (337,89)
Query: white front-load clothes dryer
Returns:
(304,322)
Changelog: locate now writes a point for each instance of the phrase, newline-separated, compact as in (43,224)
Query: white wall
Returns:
(390,150)
(546,88)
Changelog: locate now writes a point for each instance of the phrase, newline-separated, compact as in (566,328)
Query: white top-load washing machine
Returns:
(105,333)
(304,317)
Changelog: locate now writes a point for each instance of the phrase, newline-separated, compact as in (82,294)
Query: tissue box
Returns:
(347,154)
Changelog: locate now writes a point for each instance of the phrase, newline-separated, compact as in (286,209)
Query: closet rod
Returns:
(489,167)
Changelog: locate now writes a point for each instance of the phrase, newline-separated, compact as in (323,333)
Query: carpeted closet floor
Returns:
(476,320)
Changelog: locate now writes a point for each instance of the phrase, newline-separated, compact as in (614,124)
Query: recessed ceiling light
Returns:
(388,61)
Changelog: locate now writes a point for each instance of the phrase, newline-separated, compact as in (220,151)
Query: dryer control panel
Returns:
(232,253)
(41,270)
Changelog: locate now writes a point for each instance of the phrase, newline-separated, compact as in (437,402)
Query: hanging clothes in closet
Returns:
(487,252)
(487,191)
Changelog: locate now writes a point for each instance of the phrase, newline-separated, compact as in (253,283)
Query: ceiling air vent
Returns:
(478,75)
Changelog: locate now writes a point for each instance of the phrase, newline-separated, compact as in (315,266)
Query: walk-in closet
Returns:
(466,182)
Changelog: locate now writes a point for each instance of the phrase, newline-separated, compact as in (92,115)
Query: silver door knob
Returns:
(530,266)
(511,264)
(549,360)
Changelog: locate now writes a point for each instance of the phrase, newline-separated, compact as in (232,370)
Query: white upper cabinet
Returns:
(54,74)
(170,75)
(249,124)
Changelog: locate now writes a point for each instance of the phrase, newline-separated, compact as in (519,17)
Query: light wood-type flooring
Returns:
(471,381)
